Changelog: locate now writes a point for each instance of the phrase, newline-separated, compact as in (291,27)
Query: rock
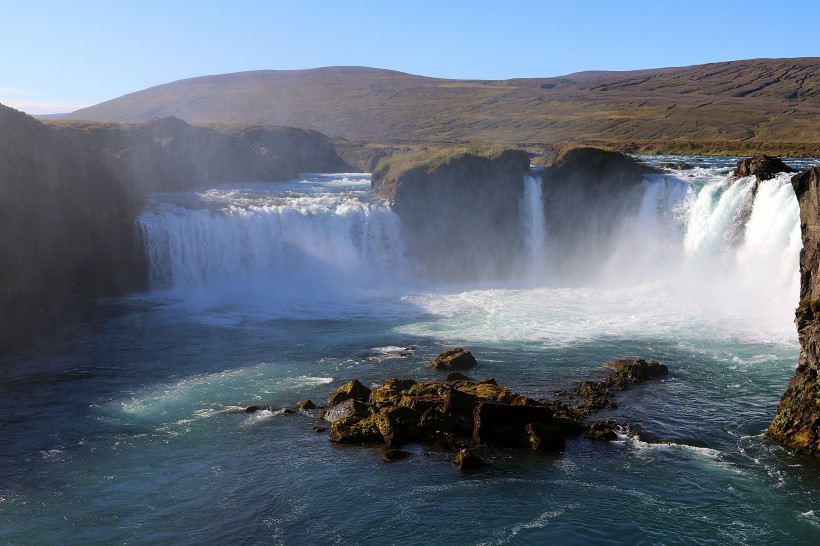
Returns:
(797,418)
(460,208)
(318,428)
(352,389)
(394,455)
(763,167)
(355,430)
(467,460)
(571,427)
(390,393)
(676,165)
(487,381)
(454,359)
(286,411)
(349,408)
(602,431)
(546,436)
(505,425)
(255,408)
(398,425)
(306,405)
(456,376)
(637,370)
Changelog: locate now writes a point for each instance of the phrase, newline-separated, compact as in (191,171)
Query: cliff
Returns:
(797,421)
(70,193)
(459,208)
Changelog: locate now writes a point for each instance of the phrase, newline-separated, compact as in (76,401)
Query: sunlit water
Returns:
(272,293)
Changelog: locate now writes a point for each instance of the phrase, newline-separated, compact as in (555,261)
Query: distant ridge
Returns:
(766,100)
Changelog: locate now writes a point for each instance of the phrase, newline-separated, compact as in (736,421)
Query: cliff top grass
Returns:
(434,157)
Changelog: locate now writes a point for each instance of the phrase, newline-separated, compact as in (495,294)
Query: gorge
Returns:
(254,267)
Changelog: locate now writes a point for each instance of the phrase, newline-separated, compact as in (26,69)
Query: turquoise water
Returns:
(126,433)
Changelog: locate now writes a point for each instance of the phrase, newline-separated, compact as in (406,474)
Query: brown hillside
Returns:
(763,100)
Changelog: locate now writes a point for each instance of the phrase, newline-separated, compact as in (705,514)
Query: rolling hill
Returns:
(753,102)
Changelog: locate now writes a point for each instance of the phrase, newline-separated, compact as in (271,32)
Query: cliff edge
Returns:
(797,421)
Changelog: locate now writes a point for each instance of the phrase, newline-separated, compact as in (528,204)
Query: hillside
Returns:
(756,101)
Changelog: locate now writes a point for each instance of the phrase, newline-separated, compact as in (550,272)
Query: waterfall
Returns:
(534,224)
(281,242)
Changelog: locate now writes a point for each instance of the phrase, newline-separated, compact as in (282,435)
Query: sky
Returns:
(61,55)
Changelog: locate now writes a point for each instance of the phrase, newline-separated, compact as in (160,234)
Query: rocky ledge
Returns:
(463,414)
(763,167)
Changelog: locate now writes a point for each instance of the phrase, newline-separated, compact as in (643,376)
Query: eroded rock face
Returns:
(460,209)
(763,167)
(797,420)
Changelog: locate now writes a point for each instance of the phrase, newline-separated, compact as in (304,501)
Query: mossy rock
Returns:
(352,389)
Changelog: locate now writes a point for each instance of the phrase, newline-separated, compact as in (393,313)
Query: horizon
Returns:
(56,68)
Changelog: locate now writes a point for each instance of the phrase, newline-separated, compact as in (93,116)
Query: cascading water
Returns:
(534,228)
(319,237)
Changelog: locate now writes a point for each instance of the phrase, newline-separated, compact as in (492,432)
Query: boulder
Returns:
(306,405)
(763,167)
(456,376)
(637,370)
(355,430)
(398,425)
(390,393)
(505,425)
(467,460)
(349,408)
(602,431)
(454,359)
(392,455)
(352,389)
(255,408)
(546,436)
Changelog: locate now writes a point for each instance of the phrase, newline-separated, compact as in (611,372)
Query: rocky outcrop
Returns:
(70,193)
(606,187)
(459,208)
(763,167)
(454,359)
(797,419)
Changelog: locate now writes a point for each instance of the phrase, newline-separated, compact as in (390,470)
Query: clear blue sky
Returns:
(60,55)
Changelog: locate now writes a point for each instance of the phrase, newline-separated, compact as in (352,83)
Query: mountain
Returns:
(761,100)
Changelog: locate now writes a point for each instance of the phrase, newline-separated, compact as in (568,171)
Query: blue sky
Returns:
(61,55)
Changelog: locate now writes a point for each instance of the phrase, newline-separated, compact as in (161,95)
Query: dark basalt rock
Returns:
(392,455)
(454,359)
(797,419)
(352,389)
(506,425)
(602,431)
(286,411)
(546,436)
(763,167)
(255,408)
(306,405)
(637,370)
(456,376)
(677,165)
(467,460)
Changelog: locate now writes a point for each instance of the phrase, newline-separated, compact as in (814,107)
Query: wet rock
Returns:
(352,389)
(487,381)
(763,167)
(348,408)
(602,431)
(546,436)
(398,425)
(456,376)
(506,425)
(392,455)
(467,460)
(637,370)
(319,428)
(676,165)
(286,411)
(356,430)
(571,427)
(256,408)
(306,405)
(391,392)
(454,359)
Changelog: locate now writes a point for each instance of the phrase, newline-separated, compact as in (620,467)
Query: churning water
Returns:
(271,293)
